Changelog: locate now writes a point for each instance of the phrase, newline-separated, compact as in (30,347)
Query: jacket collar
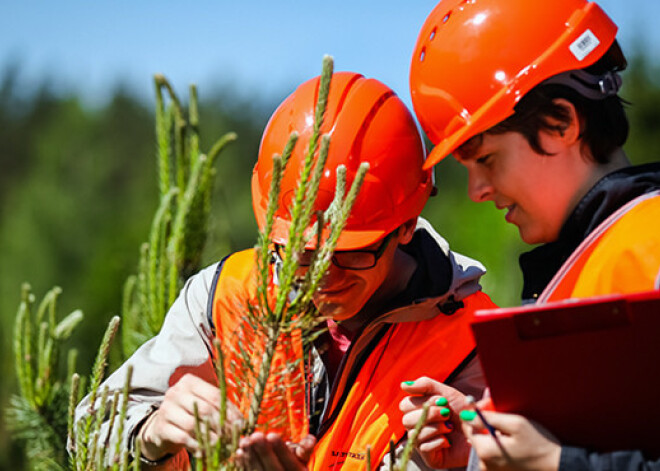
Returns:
(606,196)
(442,279)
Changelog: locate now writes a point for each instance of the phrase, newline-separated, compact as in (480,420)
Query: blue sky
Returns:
(264,48)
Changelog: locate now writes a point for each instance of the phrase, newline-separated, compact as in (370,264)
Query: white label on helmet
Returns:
(583,45)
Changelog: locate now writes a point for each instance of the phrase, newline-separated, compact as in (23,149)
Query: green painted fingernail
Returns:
(442,401)
(408,383)
(467,415)
(445,412)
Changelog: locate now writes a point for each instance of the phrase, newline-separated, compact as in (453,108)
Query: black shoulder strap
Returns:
(214,286)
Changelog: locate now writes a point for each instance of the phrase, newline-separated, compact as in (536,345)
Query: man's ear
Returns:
(407,230)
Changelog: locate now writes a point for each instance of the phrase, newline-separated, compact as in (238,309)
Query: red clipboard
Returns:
(588,370)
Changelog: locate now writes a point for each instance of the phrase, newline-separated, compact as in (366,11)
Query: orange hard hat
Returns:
(475,59)
(366,122)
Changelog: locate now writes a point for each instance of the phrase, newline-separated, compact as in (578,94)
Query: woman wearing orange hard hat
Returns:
(524,94)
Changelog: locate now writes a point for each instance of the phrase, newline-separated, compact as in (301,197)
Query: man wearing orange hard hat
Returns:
(524,94)
(393,291)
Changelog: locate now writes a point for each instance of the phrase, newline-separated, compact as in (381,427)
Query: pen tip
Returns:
(469,399)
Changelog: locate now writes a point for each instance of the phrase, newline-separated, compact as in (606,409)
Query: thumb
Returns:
(508,424)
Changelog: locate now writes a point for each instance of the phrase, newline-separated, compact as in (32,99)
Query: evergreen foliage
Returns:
(75,202)
(179,227)
(37,415)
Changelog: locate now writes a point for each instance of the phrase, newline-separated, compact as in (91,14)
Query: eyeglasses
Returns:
(346,259)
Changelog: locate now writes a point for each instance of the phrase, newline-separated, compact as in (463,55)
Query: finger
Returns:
(191,386)
(262,452)
(468,430)
(191,389)
(411,403)
(438,414)
(248,455)
(435,415)
(285,457)
(428,433)
(486,403)
(417,402)
(472,424)
(173,434)
(487,448)
(439,443)
(205,408)
(410,419)
(423,386)
(234,415)
(199,387)
(241,459)
(177,413)
(508,424)
(305,448)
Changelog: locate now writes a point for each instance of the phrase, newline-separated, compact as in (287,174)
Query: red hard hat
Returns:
(475,59)
(366,122)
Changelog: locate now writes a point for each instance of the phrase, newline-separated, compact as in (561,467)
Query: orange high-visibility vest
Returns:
(368,414)
(364,408)
(622,255)
(283,409)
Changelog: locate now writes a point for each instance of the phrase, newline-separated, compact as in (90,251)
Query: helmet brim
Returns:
(348,240)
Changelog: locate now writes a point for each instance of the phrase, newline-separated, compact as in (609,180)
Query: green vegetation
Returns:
(77,196)
(186,178)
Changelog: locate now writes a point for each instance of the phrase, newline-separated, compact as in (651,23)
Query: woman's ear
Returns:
(567,133)
(407,230)
(571,131)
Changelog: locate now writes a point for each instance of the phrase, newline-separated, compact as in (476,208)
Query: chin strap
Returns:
(594,87)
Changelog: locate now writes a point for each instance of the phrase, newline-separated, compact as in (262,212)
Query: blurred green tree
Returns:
(78,189)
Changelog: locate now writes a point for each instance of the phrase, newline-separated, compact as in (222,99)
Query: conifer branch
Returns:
(124,407)
(193,116)
(163,126)
(156,241)
(402,465)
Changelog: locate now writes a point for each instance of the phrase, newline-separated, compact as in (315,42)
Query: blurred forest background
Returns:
(78,190)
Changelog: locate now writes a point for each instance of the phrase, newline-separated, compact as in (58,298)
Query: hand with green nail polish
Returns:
(440,444)
(528,446)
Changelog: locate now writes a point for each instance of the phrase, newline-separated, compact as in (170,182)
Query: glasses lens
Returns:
(354,260)
(348,259)
(304,260)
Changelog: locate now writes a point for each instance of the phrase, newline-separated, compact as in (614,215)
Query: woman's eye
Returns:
(484,159)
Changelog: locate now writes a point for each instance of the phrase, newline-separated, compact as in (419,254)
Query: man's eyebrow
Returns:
(463,155)
(469,149)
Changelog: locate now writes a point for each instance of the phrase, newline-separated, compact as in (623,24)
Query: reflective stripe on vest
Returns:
(283,408)
(622,255)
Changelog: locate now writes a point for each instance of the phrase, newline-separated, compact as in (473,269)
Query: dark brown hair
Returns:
(603,123)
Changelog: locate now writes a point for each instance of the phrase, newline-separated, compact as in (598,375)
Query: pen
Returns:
(470,400)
